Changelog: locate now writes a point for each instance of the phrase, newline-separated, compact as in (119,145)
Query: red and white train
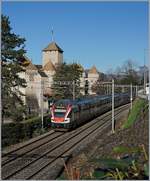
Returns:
(69,114)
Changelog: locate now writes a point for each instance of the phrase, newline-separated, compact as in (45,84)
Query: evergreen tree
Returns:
(67,76)
(12,51)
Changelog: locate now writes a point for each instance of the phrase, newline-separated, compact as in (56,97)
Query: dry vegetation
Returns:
(130,144)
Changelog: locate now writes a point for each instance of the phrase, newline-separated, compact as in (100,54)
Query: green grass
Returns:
(123,149)
(138,105)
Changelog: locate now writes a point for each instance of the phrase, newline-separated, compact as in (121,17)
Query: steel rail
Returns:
(45,173)
(13,154)
(27,143)
(57,146)
(105,124)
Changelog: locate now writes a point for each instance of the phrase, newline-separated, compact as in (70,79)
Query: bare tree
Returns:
(127,73)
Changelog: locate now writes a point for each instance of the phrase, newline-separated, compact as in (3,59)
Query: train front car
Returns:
(61,114)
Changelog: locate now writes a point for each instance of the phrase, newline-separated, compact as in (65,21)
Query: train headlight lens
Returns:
(67,120)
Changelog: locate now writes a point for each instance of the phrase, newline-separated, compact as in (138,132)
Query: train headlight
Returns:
(67,120)
(52,120)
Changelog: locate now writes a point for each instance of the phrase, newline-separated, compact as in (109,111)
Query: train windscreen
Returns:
(59,114)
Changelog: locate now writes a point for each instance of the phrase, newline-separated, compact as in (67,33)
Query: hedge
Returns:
(13,133)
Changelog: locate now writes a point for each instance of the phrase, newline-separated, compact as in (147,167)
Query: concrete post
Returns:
(42,87)
(113,119)
(73,83)
(131,96)
(136,89)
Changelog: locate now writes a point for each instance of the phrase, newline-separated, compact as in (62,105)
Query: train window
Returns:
(91,105)
(70,115)
(85,106)
(99,103)
(104,101)
(75,109)
(59,114)
(95,103)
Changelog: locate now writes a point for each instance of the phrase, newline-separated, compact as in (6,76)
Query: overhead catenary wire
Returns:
(113,114)
(71,83)
(36,85)
(109,86)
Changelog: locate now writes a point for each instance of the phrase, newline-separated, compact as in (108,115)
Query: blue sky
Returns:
(104,34)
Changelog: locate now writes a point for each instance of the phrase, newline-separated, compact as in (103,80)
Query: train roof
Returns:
(81,101)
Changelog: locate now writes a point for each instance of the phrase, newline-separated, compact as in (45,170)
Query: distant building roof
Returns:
(31,66)
(53,47)
(143,68)
(40,71)
(42,74)
(25,61)
(28,64)
(93,70)
(38,66)
(49,66)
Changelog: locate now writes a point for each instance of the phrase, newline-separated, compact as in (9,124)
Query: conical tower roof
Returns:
(53,47)
(28,64)
(93,70)
(49,66)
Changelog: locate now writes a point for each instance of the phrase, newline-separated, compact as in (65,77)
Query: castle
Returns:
(39,78)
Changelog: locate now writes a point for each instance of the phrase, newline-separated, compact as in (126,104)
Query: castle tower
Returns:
(93,76)
(52,53)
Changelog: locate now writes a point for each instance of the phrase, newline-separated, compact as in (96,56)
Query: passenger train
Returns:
(69,114)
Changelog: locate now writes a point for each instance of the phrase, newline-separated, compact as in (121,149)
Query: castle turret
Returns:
(93,76)
(52,53)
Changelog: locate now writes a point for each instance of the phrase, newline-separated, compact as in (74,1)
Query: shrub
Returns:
(13,133)
(127,168)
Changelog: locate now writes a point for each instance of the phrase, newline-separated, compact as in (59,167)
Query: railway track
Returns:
(30,146)
(41,158)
